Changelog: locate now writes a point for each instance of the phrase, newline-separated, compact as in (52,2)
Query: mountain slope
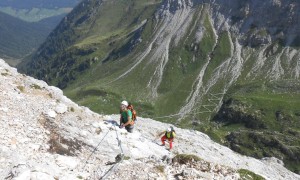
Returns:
(19,38)
(44,135)
(27,4)
(228,68)
(197,40)
(36,10)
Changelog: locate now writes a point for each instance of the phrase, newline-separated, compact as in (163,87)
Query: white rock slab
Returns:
(61,108)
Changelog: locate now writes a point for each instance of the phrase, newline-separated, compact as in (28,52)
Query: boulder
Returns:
(66,162)
(61,108)
(51,114)
(40,175)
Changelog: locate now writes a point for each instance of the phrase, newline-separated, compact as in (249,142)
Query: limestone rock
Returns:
(23,176)
(51,114)
(66,162)
(40,175)
(61,108)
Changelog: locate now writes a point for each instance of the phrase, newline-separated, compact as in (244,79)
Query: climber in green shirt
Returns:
(126,117)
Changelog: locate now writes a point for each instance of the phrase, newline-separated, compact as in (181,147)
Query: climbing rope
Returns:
(119,141)
(95,149)
(111,169)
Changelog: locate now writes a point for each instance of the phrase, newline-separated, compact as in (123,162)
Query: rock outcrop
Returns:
(44,135)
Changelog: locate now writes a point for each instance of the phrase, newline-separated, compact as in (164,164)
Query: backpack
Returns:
(172,129)
(130,107)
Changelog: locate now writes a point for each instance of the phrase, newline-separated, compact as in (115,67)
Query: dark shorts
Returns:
(129,128)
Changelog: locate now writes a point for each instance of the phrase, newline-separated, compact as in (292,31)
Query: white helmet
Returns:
(169,130)
(125,103)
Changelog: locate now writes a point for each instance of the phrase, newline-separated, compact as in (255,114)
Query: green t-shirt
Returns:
(125,115)
(168,134)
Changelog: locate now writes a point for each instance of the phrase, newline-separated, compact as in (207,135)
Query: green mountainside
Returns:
(34,14)
(25,24)
(20,38)
(227,68)
(27,4)
(36,10)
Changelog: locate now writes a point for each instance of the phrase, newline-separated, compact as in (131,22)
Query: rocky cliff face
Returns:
(44,135)
(264,22)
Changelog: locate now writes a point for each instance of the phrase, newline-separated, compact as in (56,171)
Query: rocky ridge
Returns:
(44,135)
